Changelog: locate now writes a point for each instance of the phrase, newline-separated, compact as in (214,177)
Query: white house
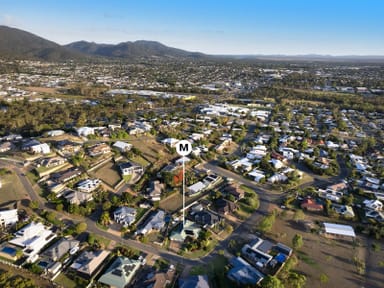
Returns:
(122,146)
(8,217)
(85,131)
(42,148)
(32,238)
(130,168)
(257,175)
(125,215)
(196,188)
(277,178)
(171,142)
(373,205)
(88,185)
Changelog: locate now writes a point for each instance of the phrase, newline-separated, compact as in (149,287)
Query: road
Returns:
(266,197)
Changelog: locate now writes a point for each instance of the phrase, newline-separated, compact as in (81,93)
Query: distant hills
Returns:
(16,43)
(131,50)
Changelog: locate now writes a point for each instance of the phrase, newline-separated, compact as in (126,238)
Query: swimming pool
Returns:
(9,251)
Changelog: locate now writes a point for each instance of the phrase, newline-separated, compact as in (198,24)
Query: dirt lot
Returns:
(172,202)
(152,150)
(333,258)
(108,173)
(11,189)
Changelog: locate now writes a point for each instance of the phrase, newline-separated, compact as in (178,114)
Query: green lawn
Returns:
(64,281)
(140,160)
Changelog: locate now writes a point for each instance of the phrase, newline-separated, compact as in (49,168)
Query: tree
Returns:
(34,205)
(271,282)
(297,241)
(81,227)
(324,278)
(59,207)
(50,216)
(105,218)
(296,280)
(299,215)
(267,223)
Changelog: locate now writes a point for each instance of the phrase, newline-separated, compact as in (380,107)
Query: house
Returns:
(42,148)
(6,146)
(235,191)
(337,231)
(276,163)
(196,188)
(373,205)
(155,189)
(125,215)
(8,217)
(88,185)
(67,175)
(224,206)
(85,131)
(310,205)
(255,257)
(182,160)
(257,175)
(53,161)
(189,229)
(120,273)
(171,142)
(345,210)
(99,149)
(32,238)
(154,223)
(198,281)
(242,273)
(122,146)
(88,262)
(276,178)
(60,248)
(130,168)
(206,218)
(77,197)
(67,148)
(161,279)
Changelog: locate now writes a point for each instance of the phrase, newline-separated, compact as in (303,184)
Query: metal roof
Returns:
(338,229)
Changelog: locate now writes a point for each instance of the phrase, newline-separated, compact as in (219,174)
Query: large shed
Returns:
(339,231)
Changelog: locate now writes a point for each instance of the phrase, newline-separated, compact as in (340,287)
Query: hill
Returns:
(16,43)
(131,50)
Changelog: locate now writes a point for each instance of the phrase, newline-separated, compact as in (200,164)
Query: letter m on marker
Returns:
(183,147)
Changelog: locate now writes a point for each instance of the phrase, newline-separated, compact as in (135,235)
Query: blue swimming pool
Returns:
(9,250)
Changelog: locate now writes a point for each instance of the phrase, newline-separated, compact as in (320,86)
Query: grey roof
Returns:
(57,250)
(199,281)
(120,273)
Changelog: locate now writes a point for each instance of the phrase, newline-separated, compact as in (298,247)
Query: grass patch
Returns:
(305,258)
(12,189)
(140,160)
(247,189)
(102,240)
(102,227)
(64,281)
(201,252)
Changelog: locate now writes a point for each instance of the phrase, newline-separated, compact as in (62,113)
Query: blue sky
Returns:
(335,27)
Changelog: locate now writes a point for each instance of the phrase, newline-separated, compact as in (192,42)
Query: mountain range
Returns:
(16,43)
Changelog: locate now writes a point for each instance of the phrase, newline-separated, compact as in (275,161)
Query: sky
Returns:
(289,27)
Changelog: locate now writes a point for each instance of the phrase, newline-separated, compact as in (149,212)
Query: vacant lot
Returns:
(325,262)
(171,203)
(108,173)
(152,150)
(11,189)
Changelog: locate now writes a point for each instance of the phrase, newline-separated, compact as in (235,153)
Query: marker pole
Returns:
(183,148)
(183,192)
